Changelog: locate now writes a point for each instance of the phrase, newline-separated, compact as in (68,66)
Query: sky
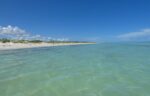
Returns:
(86,20)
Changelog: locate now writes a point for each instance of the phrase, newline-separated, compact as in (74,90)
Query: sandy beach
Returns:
(10,45)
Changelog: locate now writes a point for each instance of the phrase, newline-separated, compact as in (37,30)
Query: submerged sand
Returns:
(8,46)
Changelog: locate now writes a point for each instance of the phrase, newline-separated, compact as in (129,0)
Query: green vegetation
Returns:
(5,40)
(19,41)
(52,41)
(35,41)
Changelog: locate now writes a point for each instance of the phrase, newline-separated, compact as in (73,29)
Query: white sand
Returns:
(8,46)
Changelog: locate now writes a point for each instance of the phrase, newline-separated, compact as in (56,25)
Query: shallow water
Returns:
(110,69)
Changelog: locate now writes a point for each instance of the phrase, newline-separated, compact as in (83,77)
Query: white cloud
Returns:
(135,35)
(62,39)
(10,30)
(37,37)
(20,34)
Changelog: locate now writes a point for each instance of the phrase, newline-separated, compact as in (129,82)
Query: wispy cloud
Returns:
(145,33)
(15,32)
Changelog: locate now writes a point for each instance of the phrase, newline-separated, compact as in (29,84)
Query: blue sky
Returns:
(95,20)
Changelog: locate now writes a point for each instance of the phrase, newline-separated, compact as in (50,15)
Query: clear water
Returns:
(111,69)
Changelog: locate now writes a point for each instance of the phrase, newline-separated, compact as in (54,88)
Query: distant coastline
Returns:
(6,44)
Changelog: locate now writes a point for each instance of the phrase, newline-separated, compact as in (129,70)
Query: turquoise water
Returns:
(110,69)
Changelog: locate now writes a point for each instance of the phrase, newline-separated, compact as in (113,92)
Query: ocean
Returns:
(106,69)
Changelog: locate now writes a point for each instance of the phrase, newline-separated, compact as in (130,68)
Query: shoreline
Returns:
(11,46)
